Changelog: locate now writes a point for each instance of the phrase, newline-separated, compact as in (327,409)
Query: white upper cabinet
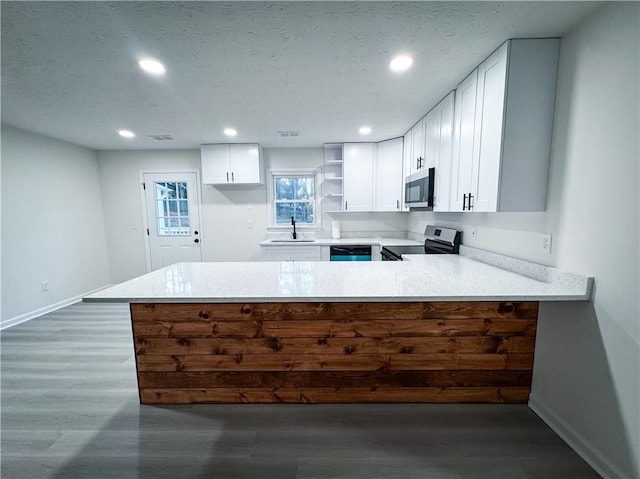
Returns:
(502,129)
(215,163)
(227,164)
(463,130)
(358,164)
(415,148)
(388,176)
(417,143)
(438,127)
(488,131)
(373,176)
(245,161)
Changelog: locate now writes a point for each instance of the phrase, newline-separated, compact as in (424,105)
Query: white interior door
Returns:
(173,218)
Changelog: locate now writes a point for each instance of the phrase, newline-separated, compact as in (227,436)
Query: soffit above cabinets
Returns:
(69,69)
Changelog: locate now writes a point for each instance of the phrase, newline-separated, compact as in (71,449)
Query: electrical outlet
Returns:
(249,224)
(474,233)
(546,243)
(45,286)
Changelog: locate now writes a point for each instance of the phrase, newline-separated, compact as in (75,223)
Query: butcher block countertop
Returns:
(464,277)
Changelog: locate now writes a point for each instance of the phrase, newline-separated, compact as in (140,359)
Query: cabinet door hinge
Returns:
(144,185)
(147,231)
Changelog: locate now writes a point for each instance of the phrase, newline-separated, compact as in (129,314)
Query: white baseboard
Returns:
(591,455)
(47,309)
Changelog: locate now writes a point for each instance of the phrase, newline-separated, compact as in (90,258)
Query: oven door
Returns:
(386,255)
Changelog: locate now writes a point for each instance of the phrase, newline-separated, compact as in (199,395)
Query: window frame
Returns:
(307,172)
(164,204)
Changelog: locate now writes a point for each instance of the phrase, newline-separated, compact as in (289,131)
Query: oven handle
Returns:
(386,256)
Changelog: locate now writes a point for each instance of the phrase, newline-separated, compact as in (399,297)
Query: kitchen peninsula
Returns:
(435,328)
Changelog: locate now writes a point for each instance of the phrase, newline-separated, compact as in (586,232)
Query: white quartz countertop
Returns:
(421,278)
(342,241)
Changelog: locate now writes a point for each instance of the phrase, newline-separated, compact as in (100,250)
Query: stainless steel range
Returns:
(437,240)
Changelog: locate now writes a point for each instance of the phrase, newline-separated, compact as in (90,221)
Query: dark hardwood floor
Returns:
(70,410)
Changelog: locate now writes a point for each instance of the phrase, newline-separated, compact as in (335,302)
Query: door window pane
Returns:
(172,208)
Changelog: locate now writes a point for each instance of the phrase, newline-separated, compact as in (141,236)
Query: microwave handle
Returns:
(431,186)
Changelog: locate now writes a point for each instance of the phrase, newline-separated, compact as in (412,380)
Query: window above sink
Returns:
(293,193)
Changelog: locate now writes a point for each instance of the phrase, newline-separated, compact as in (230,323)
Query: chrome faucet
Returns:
(293,223)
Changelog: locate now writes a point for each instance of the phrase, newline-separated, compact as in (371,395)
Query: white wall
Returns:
(591,352)
(226,210)
(388,225)
(52,226)
(586,374)
(123,206)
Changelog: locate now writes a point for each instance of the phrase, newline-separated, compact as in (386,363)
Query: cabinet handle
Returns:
(464,202)
(227,177)
(233,180)
(346,205)
(397,204)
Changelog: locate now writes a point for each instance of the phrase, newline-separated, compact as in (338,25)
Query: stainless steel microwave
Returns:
(418,189)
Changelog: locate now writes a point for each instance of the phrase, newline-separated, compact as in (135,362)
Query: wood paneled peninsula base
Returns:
(334,352)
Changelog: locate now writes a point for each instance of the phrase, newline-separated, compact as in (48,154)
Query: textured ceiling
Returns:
(69,69)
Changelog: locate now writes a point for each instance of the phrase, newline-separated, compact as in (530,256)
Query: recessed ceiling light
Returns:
(364,130)
(126,133)
(401,63)
(152,66)
(230,132)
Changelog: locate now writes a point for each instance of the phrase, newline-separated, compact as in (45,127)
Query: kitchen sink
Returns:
(292,241)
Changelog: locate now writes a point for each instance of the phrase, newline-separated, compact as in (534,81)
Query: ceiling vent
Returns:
(288,134)
(162,137)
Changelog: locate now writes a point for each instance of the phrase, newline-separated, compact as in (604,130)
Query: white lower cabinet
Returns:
(305,252)
(291,253)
